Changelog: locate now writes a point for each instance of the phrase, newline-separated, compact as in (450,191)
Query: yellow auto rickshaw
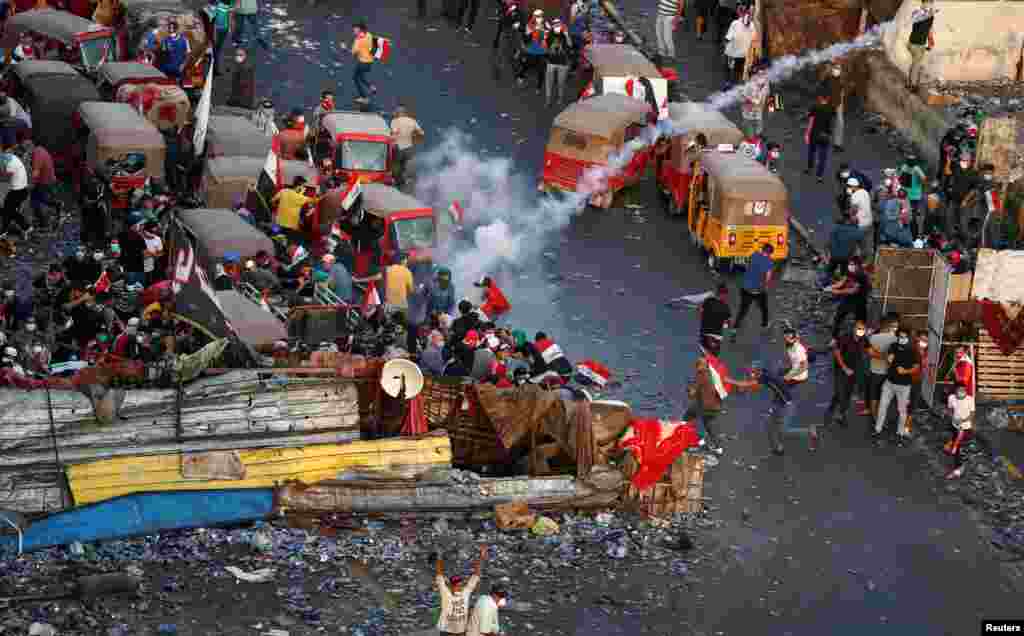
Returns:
(736,206)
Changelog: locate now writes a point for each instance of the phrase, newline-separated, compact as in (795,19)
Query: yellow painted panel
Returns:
(104,479)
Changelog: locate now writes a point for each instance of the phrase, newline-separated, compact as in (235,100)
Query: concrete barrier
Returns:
(886,94)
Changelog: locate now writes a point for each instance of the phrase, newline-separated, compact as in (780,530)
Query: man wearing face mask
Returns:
(788,392)
(962,183)
(559,50)
(126,344)
(51,290)
(903,364)
(878,355)
(738,40)
(243,82)
(325,106)
(79,268)
(842,243)
(860,209)
(921,349)
(847,357)
(853,293)
(27,336)
(483,620)
(175,48)
(960,407)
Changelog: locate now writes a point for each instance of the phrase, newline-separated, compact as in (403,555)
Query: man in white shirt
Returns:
(878,353)
(14,171)
(961,411)
(484,619)
(670,13)
(737,43)
(788,393)
(860,210)
(404,130)
(455,595)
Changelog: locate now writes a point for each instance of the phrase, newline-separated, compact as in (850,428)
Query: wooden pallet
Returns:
(680,490)
(999,376)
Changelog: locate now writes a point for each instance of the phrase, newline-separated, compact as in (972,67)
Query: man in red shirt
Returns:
(44,178)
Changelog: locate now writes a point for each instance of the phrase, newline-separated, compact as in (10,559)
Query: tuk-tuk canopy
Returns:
(248,169)
(117,129)
(236,137)
(114,73)
(168,6)
(603,115)
(621,60)
(695,117)
(341,122)
(255,326)
(218,232)
(53,103)
(58,25)
(35,68)
(382,201)
(740,177)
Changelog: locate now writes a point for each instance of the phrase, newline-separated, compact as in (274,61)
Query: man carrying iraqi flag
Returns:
(707,392)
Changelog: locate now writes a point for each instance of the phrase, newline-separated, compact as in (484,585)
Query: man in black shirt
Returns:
(903,364)
(714,318)
(854,295)
(847,358)
(819,136)
(921,41)
(467,321)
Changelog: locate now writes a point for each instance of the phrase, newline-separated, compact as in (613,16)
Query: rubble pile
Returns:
(306,583)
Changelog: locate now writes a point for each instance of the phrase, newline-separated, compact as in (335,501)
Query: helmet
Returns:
(853,182)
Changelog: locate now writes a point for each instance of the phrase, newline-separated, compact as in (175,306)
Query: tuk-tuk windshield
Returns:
(97,51)
(362,155)
(414,233)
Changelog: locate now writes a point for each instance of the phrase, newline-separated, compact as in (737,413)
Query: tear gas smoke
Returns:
(511,223)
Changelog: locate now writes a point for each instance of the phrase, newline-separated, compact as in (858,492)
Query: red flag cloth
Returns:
(656,444)
(1007,334)
(372,299)
(103,284)
(414,422)
(495,303)
(963,372)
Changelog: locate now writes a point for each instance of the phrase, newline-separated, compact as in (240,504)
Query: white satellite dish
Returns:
(401,375)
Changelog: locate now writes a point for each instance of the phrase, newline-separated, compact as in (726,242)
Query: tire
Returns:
(718,265)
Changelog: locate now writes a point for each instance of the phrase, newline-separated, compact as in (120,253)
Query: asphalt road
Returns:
(851,540)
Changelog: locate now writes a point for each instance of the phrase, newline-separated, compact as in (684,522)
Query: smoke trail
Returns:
(512,224)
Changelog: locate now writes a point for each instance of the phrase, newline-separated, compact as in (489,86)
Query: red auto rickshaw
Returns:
(390,220)
(585,135)
(354,144)
(81,43)
(675,171)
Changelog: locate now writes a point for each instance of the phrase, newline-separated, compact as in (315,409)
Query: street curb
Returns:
(805,235)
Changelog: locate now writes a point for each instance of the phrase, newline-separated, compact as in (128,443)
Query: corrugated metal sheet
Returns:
(101,480)
(230,412)
(1000,143)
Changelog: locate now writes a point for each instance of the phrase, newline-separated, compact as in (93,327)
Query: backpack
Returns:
(374,45)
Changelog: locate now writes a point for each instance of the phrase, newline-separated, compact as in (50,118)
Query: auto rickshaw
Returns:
(218,231)
(228,181)
(398,222)
(690,119)
(112,133)
(354,144)
(737,205)
(51,92)
(585,135)
(148,90)
(618,69)
(228,136)
(142,25)
(81,43)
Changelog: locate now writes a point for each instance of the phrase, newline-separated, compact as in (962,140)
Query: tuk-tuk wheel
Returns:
(674,209)
(720,265)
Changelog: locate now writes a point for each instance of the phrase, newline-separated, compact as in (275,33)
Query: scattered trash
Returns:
(544,526)
(999,418)
(604,518)
(256,576)
(42,629)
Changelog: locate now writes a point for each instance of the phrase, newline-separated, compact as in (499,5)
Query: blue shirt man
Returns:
(442,293)
(755,282)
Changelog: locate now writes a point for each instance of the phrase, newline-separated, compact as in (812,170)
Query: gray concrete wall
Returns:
(886,94)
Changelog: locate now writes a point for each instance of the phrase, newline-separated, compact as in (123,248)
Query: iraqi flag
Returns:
(271,176)
(103,283)
(588,91)
(458,214)
(372,299)
(382,52)
(993,202)
(592,373)
(656,444)
(351,195)
(718,372)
